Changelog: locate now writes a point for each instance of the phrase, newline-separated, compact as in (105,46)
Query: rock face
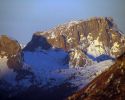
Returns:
(11,49)
(95,37)
(78,59)
(109,85)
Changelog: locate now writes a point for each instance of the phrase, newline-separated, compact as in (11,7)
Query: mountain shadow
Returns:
(100,58)
(37,42)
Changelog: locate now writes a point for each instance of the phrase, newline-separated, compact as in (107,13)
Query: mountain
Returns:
(96,38)
(109,85)
(62,60)
(11,50)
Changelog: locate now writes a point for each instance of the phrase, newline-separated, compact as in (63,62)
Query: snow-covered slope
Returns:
(50,69)
(80,77)
(44,62)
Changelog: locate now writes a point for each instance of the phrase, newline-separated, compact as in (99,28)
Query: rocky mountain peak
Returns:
(95,37)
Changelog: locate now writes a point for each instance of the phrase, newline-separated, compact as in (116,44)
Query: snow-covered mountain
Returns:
(61,60)
(98,38)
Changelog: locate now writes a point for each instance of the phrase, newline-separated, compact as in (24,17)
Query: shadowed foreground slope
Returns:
(110,85)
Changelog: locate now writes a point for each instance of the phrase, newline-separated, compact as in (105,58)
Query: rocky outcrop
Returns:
(11,49)
(110,85)
(79,59)
(95,37)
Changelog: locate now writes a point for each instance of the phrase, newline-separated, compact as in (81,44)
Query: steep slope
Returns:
(97,39)
(109,85)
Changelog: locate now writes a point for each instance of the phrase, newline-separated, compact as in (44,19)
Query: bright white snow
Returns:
(96,47)
(82,76)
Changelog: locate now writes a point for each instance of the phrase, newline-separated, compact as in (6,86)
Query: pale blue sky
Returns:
(21,18)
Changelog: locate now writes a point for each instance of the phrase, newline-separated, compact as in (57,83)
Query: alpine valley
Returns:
(78,60)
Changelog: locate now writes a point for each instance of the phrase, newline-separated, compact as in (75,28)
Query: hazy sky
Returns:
(21,18)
